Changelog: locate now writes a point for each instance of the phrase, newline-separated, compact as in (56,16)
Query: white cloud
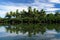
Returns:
(12,8)
(20,6)
(2,13)
(7,8)
(52,9)
(42,5)
(54,1)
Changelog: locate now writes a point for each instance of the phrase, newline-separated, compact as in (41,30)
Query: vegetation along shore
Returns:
(30,16)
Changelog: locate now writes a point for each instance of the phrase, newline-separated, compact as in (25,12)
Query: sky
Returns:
(12,5)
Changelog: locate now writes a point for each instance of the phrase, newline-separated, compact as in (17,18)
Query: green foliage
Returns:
(34,16)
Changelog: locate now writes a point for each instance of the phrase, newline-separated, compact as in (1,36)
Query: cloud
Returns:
(42,5)
(38,4)
(2,13)
(7,8)
(52,9)
(54,1)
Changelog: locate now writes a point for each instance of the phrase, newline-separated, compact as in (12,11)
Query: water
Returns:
(30,32)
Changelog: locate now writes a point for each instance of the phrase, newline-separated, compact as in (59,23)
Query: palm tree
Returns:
(14,14)
(42,16)
(17,13)
(8,15)
(57,16)
(50,17)
(29,11)
(42,12)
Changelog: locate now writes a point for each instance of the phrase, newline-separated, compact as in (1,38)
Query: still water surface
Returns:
(30,32)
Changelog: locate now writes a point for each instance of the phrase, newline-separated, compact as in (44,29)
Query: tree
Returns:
(50,17)
(29,11)
(57,17)
(17,13)
(8,15)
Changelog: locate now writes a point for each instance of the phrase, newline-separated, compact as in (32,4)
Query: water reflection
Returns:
(31,32)
(32,29)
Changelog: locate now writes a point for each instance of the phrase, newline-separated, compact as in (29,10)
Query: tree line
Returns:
(31,16)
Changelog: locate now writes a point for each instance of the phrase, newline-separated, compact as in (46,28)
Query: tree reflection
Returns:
(32,29)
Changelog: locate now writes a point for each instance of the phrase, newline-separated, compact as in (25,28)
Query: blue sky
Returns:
(12,5)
